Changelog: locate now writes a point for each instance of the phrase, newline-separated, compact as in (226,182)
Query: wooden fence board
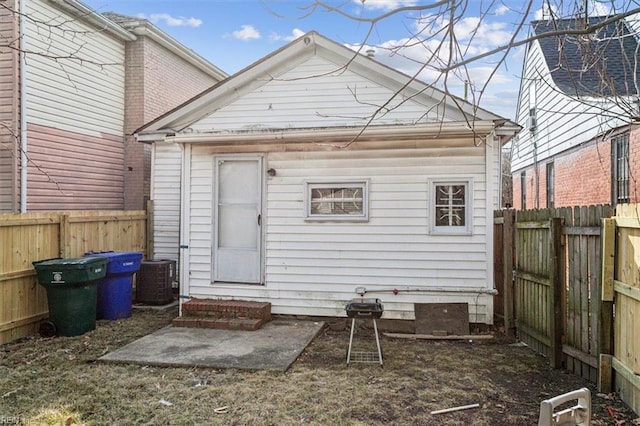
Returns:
(26,238)
(600,302)
(605,376)
(595,286)
(557,298)
(556,293)
(533,280)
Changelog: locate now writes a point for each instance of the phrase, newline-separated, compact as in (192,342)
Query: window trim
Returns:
(467,229)
(617,180)
(346,183)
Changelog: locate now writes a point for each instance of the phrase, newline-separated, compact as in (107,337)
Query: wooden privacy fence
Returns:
(573,291)
(25,238)
(621,302)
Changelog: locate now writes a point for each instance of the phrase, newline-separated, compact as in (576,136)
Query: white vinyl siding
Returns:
(561,122)
(314,268)
(319,93)
(75,73)
(165,193)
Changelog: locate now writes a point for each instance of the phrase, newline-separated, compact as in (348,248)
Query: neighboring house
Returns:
(316,171)
(88,80)
(578,100)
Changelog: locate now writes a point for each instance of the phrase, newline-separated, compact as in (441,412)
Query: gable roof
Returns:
(287,58)
(600,64)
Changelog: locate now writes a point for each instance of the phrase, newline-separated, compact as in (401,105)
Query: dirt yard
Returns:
(58,381)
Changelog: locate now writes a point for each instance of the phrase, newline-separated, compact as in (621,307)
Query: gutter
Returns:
(339,134)
(23,108)
(84,12)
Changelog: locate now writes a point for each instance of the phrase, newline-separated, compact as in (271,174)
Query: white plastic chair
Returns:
(577,415)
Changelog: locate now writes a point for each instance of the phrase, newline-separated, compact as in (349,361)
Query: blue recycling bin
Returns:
(116,288)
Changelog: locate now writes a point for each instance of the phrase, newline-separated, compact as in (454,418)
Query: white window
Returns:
(337,201)
(450,207)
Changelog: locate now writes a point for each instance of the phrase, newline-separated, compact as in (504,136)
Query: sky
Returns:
(232,34)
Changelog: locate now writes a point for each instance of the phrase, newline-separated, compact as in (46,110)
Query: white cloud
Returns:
(546,13)
(599,9)
(594,7)
(474,36)
(501,10)
(248,32)
(295,34)
(385,4)
(173,21)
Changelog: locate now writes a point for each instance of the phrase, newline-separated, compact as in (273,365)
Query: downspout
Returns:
(185,213)
(23,109)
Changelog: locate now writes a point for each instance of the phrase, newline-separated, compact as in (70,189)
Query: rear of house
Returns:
(302,200)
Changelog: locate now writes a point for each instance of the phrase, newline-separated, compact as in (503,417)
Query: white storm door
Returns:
(237,219)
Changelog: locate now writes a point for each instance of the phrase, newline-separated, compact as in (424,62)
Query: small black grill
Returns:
(364,308)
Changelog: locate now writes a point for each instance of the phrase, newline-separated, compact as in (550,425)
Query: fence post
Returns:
(149,230)
(508,232)
(64,244)
(557,286)
(606,313)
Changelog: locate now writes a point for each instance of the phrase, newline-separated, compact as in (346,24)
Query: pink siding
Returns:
(8,114)
(72,171)
(156,81)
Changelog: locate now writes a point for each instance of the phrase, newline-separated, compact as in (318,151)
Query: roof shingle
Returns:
(599,64)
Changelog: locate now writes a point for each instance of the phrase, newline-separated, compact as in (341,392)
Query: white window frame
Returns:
(315,184)
(468,205)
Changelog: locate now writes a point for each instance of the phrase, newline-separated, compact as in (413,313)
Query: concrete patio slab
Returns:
(273,347)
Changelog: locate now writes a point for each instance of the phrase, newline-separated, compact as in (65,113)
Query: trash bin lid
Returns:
(119,262)
(115,255)
(70,270)
(68,263)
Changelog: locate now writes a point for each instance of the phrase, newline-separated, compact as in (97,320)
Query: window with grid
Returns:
(620,172)
(450,207)
(337,200)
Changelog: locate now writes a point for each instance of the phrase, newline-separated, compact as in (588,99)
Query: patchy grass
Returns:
(57,381)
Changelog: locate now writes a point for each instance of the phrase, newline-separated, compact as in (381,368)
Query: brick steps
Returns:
(224,314)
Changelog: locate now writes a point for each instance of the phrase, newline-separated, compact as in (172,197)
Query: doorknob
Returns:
(259,220)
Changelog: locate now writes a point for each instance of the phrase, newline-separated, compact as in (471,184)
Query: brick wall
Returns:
(156,81)
(582,176)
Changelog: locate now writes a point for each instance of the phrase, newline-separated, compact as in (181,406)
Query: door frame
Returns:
(262,209)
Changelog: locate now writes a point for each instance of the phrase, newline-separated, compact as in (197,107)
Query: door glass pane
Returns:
(237,227)
(238,182)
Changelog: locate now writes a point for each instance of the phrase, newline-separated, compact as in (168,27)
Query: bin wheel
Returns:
(47,329)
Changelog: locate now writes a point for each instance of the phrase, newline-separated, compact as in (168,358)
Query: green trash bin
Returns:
(72,293)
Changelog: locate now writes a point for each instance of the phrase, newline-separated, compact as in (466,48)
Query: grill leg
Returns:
(353,326)
(375,328)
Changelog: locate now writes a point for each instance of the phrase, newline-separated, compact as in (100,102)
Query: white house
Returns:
(578,95)
(317,171)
